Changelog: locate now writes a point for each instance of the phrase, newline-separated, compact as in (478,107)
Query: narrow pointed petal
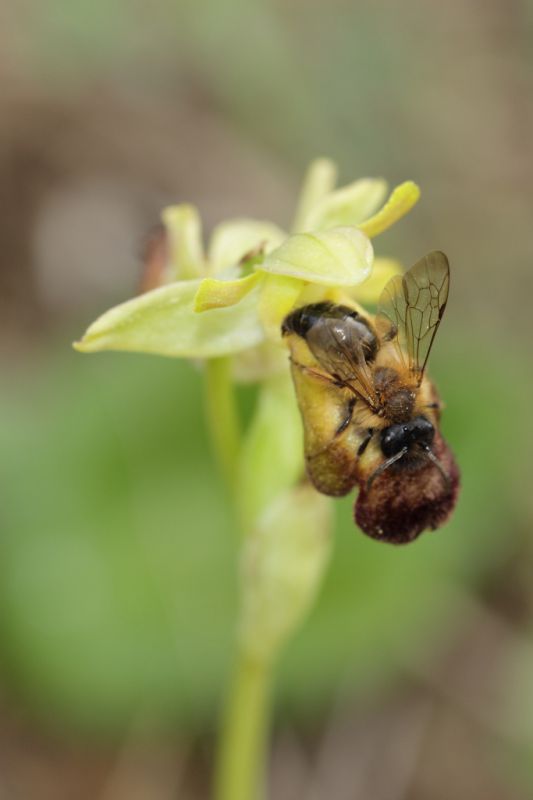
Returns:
(347,206)
(184,233)
(213,293)
(401,201)
(319,181)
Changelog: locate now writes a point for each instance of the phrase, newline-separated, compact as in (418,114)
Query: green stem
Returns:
(222,417)
(240,773)
(240,768)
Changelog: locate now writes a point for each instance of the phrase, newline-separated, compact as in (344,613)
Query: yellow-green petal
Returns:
(401,201)
(184,231)
(319,181)
(338,257)
(232,240)
(164,322)
(347,206)
(383,270)
(278,295)
(214,293)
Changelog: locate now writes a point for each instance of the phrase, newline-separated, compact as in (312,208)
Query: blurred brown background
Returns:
(413,679)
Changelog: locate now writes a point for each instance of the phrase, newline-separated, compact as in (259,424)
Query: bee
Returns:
(370,413)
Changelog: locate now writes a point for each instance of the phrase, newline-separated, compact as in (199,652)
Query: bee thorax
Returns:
(399,405)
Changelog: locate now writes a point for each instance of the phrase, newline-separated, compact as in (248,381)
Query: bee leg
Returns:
(348,418)
(316,374)
(342,427)
(364,444)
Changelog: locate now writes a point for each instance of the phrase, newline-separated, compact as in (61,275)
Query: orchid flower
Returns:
(234,295)
(224,305)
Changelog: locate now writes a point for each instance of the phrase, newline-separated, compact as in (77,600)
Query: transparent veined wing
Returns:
(411,307)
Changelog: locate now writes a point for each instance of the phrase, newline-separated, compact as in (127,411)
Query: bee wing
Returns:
(331,439)
(339,351)
(411,307)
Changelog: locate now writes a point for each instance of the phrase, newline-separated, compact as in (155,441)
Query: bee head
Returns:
(398,442)
(403,436)
(396,505)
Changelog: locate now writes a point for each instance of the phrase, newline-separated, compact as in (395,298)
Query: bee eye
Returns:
(422,430)
(393,439)
(396,437)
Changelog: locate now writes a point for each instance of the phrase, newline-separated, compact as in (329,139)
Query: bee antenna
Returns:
(386,464)
(433,458)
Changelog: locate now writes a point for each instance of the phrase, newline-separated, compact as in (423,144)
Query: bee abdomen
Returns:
(304,318)
(327,327)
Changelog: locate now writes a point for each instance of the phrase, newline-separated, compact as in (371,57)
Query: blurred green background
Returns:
(413,677)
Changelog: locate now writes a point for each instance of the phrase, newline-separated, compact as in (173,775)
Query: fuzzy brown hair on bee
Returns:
(370,413)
